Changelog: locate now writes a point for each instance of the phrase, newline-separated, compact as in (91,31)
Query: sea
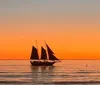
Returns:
(66,72)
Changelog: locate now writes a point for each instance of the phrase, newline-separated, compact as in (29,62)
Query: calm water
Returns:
(67,72)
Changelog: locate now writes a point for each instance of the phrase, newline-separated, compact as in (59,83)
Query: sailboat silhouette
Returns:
(45,60)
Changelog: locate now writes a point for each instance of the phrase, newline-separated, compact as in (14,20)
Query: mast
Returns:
(37,47)
(34,54)
(43,54)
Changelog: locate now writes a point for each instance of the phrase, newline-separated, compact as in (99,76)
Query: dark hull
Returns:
(38,63)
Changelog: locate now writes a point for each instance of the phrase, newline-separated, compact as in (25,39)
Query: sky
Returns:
(70,27)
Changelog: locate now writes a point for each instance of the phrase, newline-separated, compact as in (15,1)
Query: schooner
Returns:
(47,57)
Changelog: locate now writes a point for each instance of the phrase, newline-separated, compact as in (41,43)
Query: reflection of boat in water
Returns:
(45,60)
(42,74)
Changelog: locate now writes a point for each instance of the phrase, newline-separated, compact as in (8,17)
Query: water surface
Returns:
(67,72)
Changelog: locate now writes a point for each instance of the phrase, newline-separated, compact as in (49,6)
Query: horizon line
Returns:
(60,59)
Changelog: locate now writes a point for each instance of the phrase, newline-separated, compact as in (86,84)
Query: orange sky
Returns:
(71,29)
(67,44)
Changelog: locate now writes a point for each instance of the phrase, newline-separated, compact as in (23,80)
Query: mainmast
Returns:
(43,54)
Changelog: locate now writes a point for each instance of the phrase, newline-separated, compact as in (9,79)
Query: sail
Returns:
(52,57)
(51,54)
(34,54)
(49,50)
(43,53)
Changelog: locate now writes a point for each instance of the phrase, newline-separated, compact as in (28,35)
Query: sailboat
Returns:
(44,60)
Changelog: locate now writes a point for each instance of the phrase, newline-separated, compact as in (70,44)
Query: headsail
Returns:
(49,50)
(34,54)
(43,53)
(51,54)
(52,57)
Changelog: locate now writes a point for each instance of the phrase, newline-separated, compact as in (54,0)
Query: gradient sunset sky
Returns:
(70,27)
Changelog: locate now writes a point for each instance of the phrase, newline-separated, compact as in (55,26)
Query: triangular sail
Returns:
(43,53)
(34,54)
(49,50)
(51,54)
(52,57)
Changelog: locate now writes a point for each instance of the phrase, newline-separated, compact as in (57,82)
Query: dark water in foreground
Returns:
(67,72)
